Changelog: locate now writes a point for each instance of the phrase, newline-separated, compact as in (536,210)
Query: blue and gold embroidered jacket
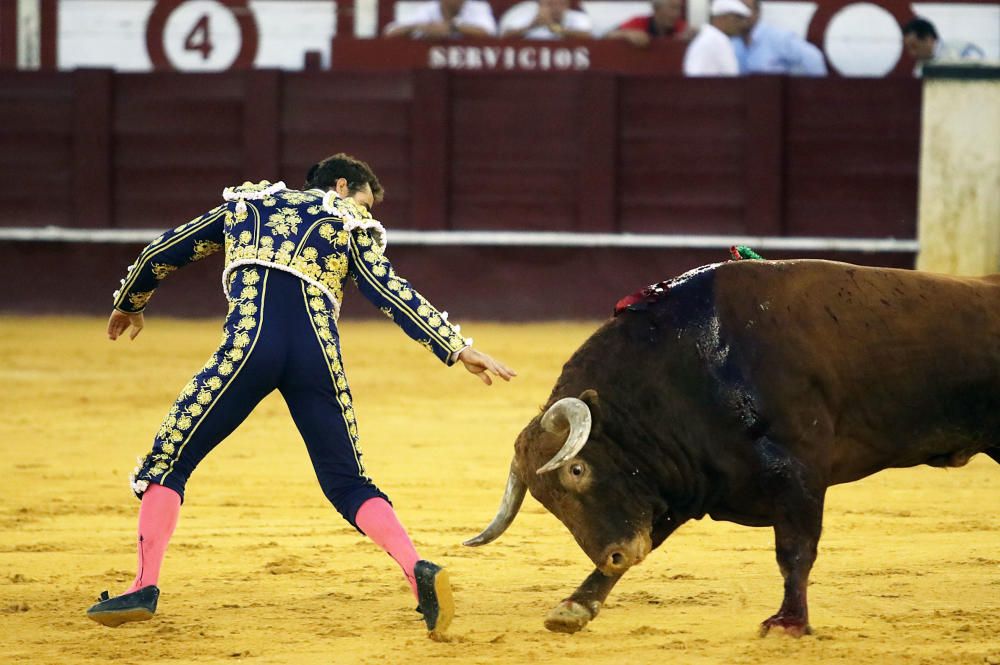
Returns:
(315,235)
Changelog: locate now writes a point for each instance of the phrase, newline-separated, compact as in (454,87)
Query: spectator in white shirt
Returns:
(711,53)
(553,20)
(446,19)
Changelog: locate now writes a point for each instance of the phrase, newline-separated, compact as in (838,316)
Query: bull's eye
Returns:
(576,470)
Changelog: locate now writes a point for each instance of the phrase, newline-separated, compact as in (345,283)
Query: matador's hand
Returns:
(481,365)
(120,321)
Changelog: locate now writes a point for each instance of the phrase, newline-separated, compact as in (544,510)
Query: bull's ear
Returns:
(593,402)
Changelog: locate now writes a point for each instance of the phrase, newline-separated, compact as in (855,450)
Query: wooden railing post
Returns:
(261,125)
(598,178)
(764,156)
(92,148)
(430,150)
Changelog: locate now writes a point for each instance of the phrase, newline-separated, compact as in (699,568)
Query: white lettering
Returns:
(508,58)
(581,57)
(473,57)
(491,55)
(455,57)
(545,57)
(562,58)
(437,58)
(526,58)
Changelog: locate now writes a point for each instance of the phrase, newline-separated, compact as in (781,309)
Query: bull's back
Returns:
(904,363)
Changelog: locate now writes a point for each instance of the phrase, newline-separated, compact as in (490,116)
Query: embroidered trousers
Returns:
(279,334)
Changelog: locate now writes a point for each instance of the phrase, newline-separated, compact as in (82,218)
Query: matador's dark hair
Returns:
(325,173)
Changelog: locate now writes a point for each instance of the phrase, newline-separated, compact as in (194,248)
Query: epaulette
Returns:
(355,216)
(251,191)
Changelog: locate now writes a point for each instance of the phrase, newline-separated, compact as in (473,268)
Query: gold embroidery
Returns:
(266,250)
(203,248)
(408,301)
(161,270)
(198,393)
(321,324)
(297,198)
(251,187)
(285,222)
(140,299)
(284,254)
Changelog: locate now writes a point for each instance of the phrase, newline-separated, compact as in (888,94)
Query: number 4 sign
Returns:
(200,38)
(201,35)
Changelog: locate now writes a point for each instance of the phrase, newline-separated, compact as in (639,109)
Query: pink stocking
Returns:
(157,519)
(379,522)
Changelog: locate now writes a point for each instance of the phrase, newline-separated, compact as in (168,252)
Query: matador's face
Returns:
(362,196)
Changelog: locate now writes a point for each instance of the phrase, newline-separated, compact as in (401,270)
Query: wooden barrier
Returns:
(585,152)
(574,151)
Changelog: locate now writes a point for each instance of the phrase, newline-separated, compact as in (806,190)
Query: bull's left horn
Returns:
(513,496)
(576,414)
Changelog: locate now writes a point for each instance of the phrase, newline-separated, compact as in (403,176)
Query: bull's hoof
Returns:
(791,626)
(570,616)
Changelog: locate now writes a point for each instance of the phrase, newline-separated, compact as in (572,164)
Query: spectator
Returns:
(711,53)
(767,49)
(924,45)
(666,22)
(446,19)
(553,20)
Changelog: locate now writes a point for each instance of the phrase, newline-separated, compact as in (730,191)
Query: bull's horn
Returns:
(513,496)
(576,413)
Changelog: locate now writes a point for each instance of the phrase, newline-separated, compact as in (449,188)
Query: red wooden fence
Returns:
(571,151)
(589,152)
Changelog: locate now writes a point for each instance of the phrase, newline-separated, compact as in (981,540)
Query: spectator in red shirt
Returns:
(666,22)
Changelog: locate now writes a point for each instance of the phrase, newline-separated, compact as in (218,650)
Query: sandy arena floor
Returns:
(262,569)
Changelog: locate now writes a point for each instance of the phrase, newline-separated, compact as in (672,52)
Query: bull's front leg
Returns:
(796,552)
(796,537)
(798,509)
(582,606)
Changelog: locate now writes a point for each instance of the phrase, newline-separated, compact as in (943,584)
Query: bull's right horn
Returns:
(513,496)
(576,414)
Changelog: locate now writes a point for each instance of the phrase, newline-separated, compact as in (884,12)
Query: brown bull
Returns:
(742,391)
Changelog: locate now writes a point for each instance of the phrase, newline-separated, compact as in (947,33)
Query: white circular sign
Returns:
(863,39)
(202,35)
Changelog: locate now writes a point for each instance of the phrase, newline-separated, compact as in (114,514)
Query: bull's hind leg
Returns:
(583,605)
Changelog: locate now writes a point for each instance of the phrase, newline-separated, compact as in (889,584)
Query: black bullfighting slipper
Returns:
(434,594)
(136,606)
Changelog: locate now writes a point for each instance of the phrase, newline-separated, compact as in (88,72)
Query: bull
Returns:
(742,391)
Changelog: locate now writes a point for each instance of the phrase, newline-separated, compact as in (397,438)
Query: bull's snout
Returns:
(619,557)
